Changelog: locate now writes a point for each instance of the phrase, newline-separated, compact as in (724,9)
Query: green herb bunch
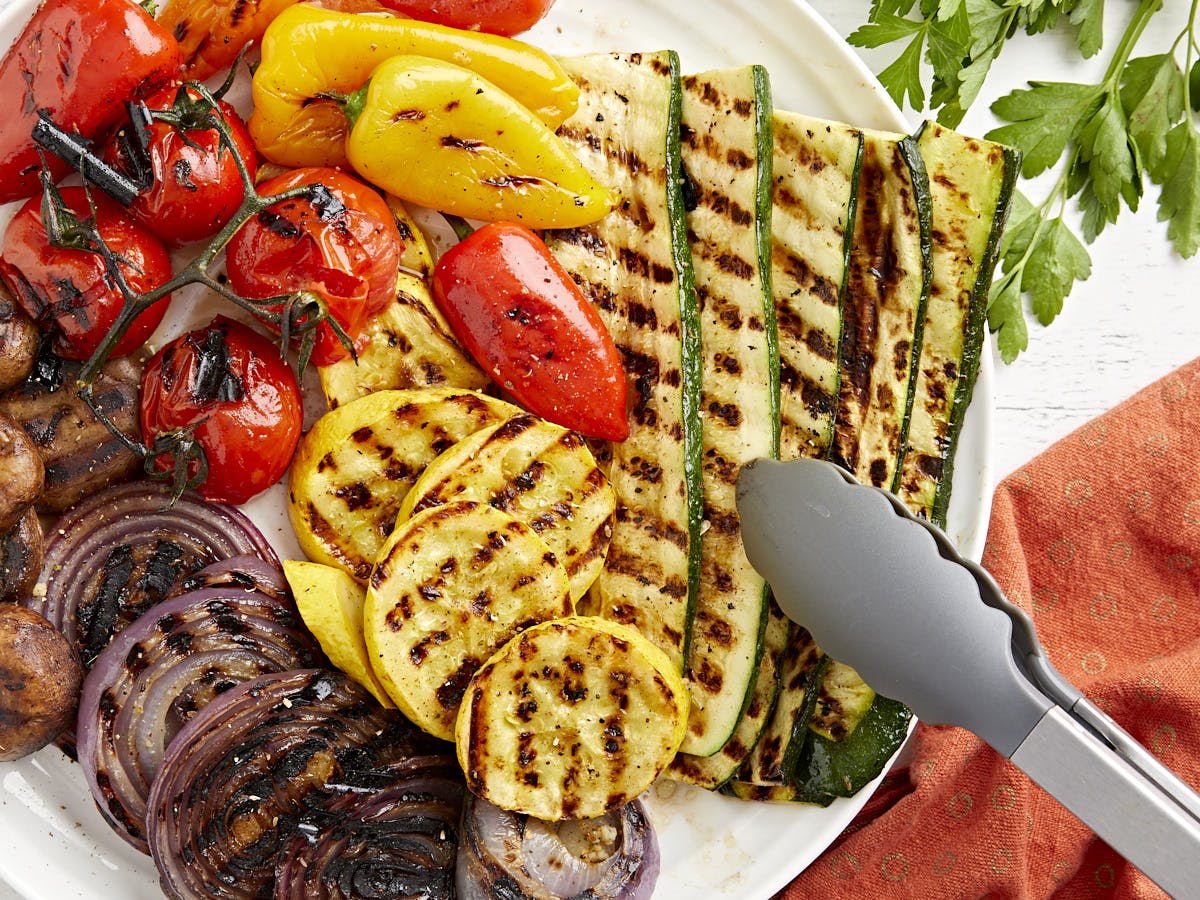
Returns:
(1138,123)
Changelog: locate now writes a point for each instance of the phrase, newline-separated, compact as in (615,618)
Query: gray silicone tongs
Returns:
(888,594)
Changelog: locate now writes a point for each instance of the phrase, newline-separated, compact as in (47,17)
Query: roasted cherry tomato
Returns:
(518,312)
(342,244)
(507,17)
(195,187)
(67,290)
(231,387)
(78,61)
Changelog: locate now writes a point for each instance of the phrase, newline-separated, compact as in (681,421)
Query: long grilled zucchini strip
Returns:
(816,171)
(727,156)
(636,267)
(971,182)
(815,192)
(800,667)
(884,313)
(714,771)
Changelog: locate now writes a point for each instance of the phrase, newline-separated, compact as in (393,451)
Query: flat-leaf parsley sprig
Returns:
(1138,123)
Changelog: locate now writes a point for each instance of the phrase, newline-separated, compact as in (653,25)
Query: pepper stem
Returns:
(462,228)
(352,104)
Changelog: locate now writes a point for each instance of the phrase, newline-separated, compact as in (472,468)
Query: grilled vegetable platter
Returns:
(450,598)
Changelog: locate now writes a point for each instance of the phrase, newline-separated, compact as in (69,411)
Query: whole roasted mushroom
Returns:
(40,678)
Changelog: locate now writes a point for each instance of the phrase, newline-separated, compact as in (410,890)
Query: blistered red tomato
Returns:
(67,290)
(196,187)
(342,244)
(507,17)
(518,312)
(231,387)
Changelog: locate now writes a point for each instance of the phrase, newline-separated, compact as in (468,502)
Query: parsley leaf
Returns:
(1179,203)
(903,76)
(949,42)
(1006,318)
(1043,120)
(1152,95)
(1088,16)
(890,8)
(1055,263)
(1108,168)
(1042,258)
(883,29)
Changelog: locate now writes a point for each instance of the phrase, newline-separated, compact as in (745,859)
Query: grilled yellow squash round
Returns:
(541,473)
(570,719)
(331,605)
(355,465)
(452,584)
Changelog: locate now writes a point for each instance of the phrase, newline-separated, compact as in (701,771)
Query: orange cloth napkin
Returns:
(1099,539)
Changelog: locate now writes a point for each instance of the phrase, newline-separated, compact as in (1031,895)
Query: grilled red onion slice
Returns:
(250,573)
(505,854)
(235,782)
(394,835)
(116,554)
(163,668)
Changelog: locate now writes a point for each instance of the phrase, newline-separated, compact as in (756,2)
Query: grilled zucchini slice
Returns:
(801,669)
(452,585)
(715,770)
(971,182)
(541,473)
(330,602)
(570,719)
(409,344)
(816,171)
(357,462)
(727,154)
(884,314)
(842,700)
(831,769)
(635,265)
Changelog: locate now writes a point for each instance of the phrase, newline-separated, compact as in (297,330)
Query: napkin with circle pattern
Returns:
(1099,540)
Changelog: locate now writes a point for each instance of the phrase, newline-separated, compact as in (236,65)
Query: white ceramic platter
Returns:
(55,843)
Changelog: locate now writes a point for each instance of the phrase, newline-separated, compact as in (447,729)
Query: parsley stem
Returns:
(1190,33)
(1133,33)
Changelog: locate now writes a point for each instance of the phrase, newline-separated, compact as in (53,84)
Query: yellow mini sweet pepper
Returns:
(309,54)
(444,137)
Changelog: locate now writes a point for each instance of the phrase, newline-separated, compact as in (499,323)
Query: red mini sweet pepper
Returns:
(529,326)
(77,61)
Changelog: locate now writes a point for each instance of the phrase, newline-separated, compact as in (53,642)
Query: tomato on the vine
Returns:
(196,187)
(227,388)
(341,244)
(67,289)
(506,17)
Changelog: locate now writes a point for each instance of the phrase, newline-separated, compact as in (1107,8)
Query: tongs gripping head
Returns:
(873,587)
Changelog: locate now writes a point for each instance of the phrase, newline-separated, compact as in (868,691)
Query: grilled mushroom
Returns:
(21,549)
(18,342)
(22,474)
(40,677)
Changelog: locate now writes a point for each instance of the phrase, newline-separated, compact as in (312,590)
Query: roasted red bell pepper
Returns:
(528,325)
(78,61)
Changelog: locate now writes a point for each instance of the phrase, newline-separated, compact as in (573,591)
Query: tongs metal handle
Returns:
(889,594)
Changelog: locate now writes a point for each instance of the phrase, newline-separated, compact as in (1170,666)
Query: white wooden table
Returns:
(1134,320)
